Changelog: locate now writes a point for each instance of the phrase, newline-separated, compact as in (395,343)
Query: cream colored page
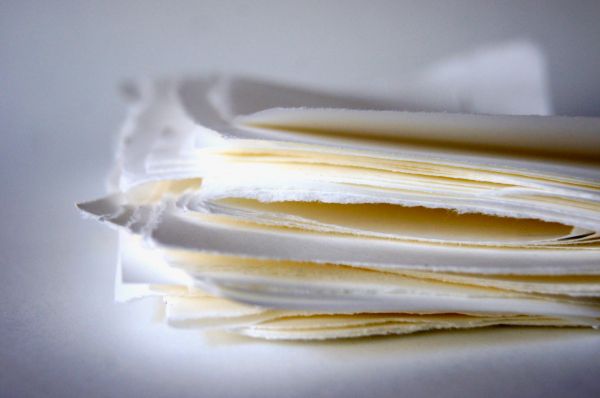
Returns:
(222,314)
(552,136)
(255,175)
(398,222)
(390,328)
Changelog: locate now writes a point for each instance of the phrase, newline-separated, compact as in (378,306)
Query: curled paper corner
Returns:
(217,96)
(506,78)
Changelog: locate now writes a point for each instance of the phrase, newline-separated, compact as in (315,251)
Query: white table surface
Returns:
(60,332)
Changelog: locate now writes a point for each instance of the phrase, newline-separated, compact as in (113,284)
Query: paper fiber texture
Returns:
(282,213)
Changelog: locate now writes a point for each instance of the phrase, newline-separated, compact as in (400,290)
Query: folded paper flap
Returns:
(232,95)
(508,78)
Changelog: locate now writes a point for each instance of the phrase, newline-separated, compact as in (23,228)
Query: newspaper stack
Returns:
(269,213)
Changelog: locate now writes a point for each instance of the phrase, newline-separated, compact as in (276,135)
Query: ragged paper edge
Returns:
(186,164)
(215,189)
(263,215)
(249,324)
(175,229)
(270,293)
(557,285)
(280,324)
(189,133)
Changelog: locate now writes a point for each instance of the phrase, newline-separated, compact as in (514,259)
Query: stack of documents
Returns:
(272,214)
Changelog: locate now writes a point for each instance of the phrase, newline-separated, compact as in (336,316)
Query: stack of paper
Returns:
(248,213)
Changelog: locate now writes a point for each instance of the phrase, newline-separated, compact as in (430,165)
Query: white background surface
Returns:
(60,62)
